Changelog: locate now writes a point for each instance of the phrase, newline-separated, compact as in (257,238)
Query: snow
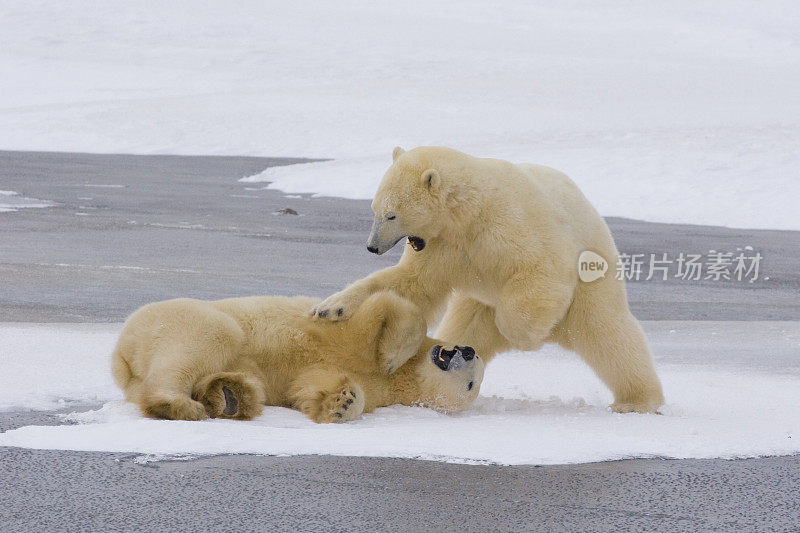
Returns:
(666,111)
(11,201)
(51,366)
(732,390)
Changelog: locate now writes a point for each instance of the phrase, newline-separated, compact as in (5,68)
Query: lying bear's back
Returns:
(274,326)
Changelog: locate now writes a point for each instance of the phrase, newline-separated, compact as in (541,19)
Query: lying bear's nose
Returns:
(466,352)
(372,249)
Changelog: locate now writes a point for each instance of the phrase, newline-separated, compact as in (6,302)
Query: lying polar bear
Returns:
(191,359)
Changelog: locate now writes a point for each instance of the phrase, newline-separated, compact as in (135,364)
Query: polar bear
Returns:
(191,359)
(511,236)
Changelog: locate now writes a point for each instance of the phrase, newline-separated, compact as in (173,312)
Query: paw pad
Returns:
(338,406)
(231,403)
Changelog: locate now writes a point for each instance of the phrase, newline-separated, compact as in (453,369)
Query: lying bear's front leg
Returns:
(327,396)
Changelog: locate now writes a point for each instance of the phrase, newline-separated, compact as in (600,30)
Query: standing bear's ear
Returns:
(430,179)
(397,152)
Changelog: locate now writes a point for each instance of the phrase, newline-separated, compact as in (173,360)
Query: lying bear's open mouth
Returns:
(443,358)
(417,243)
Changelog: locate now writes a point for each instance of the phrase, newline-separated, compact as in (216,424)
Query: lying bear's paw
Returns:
(175,408)
(340,406)
(230,395)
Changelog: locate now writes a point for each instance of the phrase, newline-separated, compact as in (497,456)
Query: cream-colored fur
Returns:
(501,243)
(189,359)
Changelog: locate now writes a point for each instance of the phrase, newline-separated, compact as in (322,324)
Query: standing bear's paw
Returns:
(230,395)
(646,403)
(339,306)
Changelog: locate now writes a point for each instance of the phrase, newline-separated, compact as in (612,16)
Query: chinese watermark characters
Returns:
(742,265)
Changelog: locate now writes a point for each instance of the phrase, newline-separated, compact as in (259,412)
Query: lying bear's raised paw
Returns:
(342,406)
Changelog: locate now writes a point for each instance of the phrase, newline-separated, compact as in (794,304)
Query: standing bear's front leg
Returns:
(342,305)
(526,313)
(327,395)
(411,279)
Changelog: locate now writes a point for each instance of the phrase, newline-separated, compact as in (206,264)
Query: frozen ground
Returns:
(655,109)
(732,391)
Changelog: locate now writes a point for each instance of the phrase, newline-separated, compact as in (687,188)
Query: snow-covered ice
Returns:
(50,366)
(666,111)
(732,389)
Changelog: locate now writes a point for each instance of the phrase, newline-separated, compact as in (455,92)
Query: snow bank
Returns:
(668,111)
(696,177)
(540,408)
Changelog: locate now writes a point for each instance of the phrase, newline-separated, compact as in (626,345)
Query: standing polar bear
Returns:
(191,359)
(501,241)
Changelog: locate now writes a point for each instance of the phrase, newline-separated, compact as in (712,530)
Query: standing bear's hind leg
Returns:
(616,349)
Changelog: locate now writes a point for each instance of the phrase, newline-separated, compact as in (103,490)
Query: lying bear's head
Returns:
(414,198)
(450,379)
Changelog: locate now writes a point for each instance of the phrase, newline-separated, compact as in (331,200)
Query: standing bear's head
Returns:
(417,197)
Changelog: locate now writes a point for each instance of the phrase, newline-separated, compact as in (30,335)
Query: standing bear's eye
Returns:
(390,217)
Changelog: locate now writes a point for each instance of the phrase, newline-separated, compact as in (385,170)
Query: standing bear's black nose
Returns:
(372,249)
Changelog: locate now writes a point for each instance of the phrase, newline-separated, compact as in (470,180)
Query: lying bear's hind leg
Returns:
(197,341)
(327,396)
(230,395)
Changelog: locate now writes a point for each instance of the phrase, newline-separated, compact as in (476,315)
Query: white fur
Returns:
(501,249)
